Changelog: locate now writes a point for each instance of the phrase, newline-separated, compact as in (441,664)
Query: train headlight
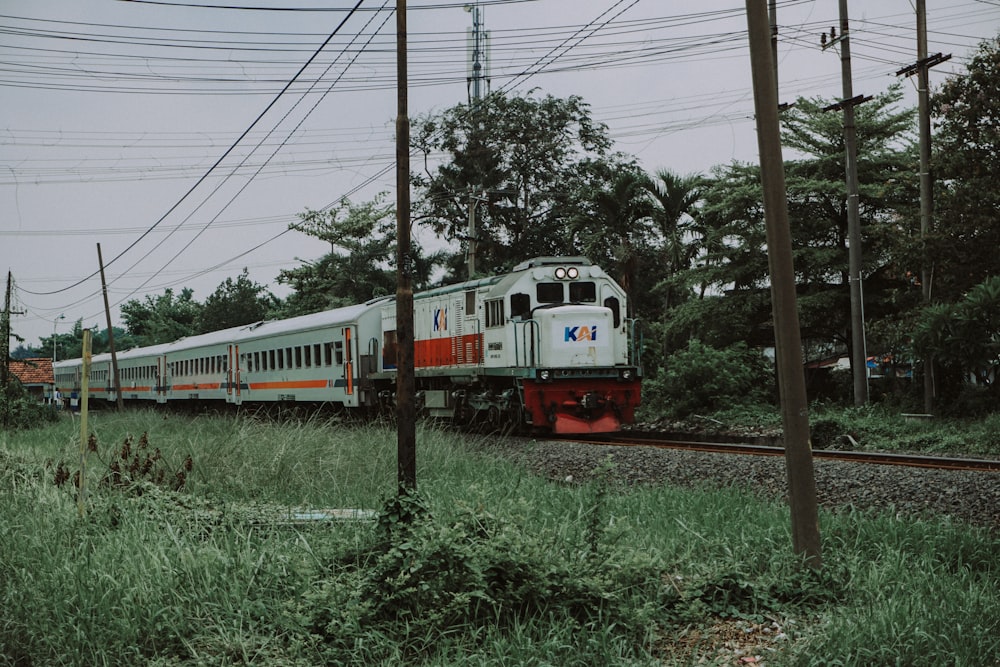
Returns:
(560,273)
(626,374)
(544,375)
(573,273)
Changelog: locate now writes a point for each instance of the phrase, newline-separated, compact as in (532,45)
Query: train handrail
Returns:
(537,329)
(634,347)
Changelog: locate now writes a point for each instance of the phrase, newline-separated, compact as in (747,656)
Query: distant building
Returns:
(36,376)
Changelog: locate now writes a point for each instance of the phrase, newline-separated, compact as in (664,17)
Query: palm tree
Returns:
(617,228)
(675,212)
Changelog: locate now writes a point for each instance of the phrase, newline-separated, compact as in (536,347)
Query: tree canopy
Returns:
(525,162)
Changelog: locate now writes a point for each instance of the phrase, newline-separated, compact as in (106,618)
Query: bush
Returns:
(19,410)
(701,378)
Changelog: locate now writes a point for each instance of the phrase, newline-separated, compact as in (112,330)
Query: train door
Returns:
(233,391)
(162,378)
(349,366)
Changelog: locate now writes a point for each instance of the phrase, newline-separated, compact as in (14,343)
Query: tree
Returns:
(235,303)
(675,216)
(360,265)
(615,227)
(527,162)
(963,339)
(163,318)
(966,233)
(732,223)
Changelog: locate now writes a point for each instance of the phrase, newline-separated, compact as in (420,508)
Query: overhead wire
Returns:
(214,165)
(564,68)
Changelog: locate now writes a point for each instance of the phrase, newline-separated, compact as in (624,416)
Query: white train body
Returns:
(546,346)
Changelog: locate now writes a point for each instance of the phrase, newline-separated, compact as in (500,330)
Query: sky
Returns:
(183,136)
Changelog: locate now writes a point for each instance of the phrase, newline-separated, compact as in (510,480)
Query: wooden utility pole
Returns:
(859,353)
(111,335)
(5,333)
(81,502)
(921,69)
(788,355)
(406,445)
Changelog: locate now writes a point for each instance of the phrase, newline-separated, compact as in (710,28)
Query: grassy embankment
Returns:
(498,567)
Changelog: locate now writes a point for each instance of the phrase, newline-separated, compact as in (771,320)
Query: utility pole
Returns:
(5,332)
(772,12)
(111,335)
(788,342)
(920,68)
(406,438)
(859,354)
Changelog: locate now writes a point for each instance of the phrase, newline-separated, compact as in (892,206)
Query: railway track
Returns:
(880,458)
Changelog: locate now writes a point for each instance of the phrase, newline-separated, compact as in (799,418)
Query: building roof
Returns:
(32,371)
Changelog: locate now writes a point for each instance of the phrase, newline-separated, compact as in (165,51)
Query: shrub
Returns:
(701,378)
(19,410)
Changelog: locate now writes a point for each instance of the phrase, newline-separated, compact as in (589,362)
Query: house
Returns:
(35,375)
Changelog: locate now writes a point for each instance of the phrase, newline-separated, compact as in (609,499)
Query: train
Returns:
(545,347)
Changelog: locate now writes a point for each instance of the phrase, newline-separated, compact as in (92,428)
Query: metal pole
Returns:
(859,354)
(406,446)
(471,262)
(788,354)
(111,335)
(926,184)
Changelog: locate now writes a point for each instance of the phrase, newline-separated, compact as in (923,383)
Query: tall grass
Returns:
(496,566)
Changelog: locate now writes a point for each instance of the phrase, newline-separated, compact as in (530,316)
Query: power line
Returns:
(217,162)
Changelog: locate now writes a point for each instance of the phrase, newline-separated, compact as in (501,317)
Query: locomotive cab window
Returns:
(494,313)
(470,303)
(520,305)
(616,310)
(550,293)
(583,292)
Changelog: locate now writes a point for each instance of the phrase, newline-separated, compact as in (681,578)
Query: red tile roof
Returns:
(32,371)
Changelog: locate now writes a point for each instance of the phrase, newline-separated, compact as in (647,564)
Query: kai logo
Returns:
(577,334)
(440,319)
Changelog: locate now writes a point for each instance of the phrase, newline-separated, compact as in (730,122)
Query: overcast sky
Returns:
(124,121)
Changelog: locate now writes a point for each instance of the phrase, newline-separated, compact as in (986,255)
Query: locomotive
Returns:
(545,347)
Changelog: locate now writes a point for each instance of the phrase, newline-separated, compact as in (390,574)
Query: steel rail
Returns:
(877,458)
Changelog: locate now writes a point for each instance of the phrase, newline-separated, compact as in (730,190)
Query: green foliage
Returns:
(528,162)
(966,232)
(488,565)
(964,338)
(359,266)
(701,378)
(434,578)
(162,319)
(20,410)
(234,303)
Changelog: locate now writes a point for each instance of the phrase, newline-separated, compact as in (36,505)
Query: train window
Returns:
(494,313)
(616,309)
(307,356)
(317,359)
(223,364)
(470,303)
(298,357)
(582,292)
(390,349)
(288,358)
(338,348)
(327,354)
(520,305)
(272,366)
(550,293)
